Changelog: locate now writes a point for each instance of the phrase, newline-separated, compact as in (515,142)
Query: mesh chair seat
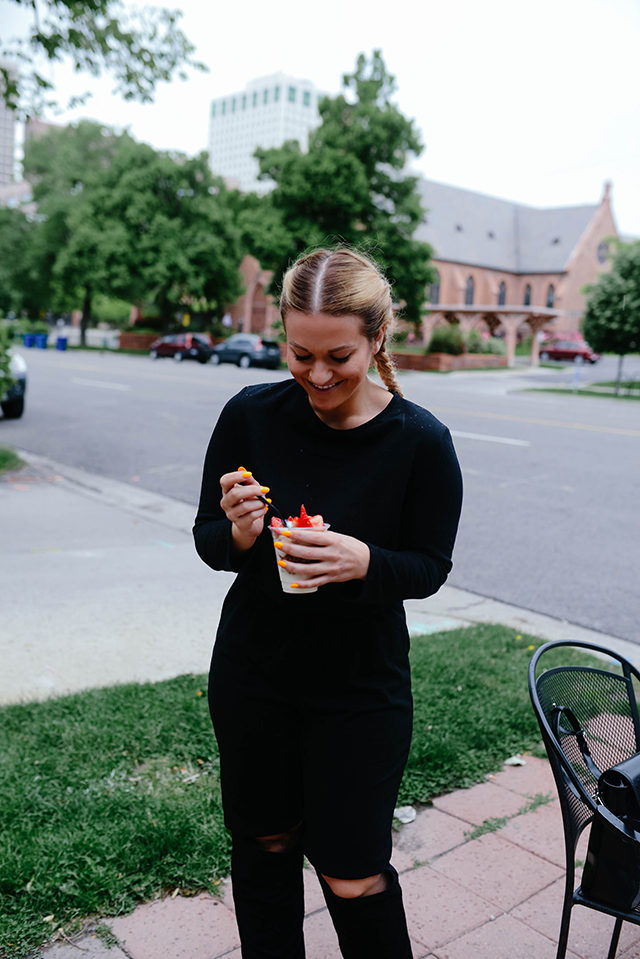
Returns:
(588,717)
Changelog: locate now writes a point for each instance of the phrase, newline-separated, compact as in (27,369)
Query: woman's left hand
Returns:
(336,558)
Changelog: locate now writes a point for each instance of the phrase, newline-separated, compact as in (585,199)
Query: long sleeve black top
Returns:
(393,482)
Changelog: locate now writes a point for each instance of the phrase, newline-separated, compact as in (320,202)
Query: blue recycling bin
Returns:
(61,343)
(29,340)
(41,341)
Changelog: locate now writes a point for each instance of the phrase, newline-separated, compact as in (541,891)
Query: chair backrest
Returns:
(588,716)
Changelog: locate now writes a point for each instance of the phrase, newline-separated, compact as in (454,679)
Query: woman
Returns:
(310,694)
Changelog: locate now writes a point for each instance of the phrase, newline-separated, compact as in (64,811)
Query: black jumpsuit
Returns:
(310,693)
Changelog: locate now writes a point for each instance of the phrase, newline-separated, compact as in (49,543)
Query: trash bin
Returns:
(29,340)
(61,343)
(41,340)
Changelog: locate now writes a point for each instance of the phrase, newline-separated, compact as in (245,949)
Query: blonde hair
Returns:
(343,282)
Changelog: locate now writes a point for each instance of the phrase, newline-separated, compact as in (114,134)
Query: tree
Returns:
(176,240)
(612,318)
(66,168)
(351,185)
(138,49)
(125,220)
(16,236)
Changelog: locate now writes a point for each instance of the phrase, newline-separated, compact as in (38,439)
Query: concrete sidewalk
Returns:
(111,568)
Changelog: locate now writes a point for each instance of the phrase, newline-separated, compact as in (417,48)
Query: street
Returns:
(550,519)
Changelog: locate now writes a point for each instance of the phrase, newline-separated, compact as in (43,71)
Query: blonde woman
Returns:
(310,695)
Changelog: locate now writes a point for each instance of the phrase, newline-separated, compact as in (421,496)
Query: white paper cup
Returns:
(287,579)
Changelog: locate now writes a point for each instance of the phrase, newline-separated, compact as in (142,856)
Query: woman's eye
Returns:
(302,359)
(341,359)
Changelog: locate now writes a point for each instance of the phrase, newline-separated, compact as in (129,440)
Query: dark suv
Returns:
(183,346)
(247,349)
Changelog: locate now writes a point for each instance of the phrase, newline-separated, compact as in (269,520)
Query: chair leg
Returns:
(563,936)
(614,939)
(567,905)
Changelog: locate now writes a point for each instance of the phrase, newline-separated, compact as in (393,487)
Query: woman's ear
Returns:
(379,340)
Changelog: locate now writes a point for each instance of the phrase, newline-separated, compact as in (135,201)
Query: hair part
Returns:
(343,282)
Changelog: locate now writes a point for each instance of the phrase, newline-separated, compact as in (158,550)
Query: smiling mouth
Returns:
(324,389)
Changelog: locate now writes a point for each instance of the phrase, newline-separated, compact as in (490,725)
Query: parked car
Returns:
(12,402)
(568,350)
(183,346)
(247,349)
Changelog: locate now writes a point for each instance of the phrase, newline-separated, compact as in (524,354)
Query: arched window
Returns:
(551,295)
(527,295)
(469,291)
(502,294)
(434,290)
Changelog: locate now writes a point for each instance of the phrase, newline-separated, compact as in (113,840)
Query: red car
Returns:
(568,350)
(183,346)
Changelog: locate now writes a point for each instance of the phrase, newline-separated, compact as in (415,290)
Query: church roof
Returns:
(481,230)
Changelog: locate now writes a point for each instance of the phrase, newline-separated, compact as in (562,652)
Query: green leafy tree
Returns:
(351,185)
(612,318)
(16,276)
(66,168)
(122,219)
(137,48)
(173,237)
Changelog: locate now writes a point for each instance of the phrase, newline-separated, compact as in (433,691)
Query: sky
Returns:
(533,102)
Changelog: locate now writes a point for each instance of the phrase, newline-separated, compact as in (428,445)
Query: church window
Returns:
(551,296)
(603,251)
(502,294)
(469,291)
(434,290)
(527,295)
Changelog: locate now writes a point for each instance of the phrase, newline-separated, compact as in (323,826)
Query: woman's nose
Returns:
(320,374)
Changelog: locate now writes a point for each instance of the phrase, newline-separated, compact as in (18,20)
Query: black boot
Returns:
(371,927)
(268,893)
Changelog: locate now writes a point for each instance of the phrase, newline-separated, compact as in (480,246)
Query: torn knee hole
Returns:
(281,842)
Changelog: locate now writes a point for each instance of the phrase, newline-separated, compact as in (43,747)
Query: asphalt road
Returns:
(551,519)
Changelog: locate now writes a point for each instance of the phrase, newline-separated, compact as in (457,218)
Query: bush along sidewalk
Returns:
(112,797)
(9,461)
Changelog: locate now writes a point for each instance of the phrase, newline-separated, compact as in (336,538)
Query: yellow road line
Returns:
(617,430)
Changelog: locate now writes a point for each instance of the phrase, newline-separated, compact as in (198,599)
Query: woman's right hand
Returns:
(242,507)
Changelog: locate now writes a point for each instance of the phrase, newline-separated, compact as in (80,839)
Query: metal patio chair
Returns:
(588,716)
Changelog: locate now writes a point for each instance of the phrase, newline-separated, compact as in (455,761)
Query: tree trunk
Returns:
(619,378)
(86,315)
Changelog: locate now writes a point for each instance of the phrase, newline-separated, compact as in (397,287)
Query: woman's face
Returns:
(329,357)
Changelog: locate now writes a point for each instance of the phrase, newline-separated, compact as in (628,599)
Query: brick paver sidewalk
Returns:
(482,874)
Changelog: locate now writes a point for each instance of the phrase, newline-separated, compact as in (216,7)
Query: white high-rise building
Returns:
(269,111)
(7,142)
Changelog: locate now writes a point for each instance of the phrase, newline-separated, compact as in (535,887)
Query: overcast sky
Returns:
(534,102)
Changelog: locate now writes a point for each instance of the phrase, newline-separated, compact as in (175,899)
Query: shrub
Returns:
(474,342)
(446,339)
(451,339)
(495,345)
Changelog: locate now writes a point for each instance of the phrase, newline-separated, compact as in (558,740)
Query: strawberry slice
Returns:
(304,521)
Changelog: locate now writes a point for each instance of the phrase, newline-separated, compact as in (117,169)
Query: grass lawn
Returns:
(111,796)
(9,460)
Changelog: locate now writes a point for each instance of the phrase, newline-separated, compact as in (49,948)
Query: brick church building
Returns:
(502,266)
